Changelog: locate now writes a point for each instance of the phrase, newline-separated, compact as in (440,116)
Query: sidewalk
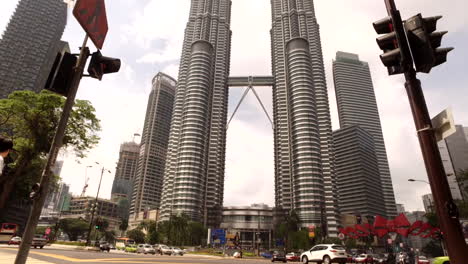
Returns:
(10,255)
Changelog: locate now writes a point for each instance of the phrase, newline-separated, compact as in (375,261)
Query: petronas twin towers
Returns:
(304,176)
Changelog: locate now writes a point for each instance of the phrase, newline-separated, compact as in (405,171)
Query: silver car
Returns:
(177,251)
(145,249)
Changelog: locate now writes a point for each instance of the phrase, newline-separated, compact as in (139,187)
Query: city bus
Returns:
(122,242)
(7,231)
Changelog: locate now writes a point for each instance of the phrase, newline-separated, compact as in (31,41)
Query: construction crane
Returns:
(86,181)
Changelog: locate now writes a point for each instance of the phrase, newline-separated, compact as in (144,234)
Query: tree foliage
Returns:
(137,235)
(433,249)
(73,227)
(179,231)
(30,119)
(123,225)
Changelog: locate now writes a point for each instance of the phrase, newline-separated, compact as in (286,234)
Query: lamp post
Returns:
(94,208)
(413,180)
(432,210)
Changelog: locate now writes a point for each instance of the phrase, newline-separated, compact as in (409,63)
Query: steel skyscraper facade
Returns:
(304,178)
(30,44)
(194,176)
(147,186)
(357,106)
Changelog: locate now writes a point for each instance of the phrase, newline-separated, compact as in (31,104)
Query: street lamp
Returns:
(413,180)
(94,207)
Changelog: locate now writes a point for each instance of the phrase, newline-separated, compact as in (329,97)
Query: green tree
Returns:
(433,249)
(153,236)
(73,227)
(136,235)
(196,233)
(123,226)
(30,119)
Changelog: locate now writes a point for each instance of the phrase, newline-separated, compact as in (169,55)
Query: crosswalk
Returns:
(9,258)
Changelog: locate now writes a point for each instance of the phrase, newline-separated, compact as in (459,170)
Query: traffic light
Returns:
(425,43)
(391,57)
(101,65)
(60,76)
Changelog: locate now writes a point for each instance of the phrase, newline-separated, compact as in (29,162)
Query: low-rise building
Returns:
(81,207)
(136,219)
(253,224)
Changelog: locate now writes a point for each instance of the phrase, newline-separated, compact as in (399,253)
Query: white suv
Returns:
(325,253)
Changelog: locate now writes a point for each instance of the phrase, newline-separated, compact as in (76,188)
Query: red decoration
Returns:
(399,224)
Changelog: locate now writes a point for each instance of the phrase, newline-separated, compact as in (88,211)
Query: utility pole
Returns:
(405,43)
(92,17)
(94,209)
(39,197)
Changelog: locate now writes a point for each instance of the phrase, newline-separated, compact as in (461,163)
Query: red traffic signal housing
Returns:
(101,65)
(388,42)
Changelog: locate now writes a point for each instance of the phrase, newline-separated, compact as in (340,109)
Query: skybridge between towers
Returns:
(250,82)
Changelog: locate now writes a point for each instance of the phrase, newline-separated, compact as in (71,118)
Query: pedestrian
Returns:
(6,145)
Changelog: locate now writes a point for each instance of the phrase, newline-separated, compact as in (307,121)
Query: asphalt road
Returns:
(48,255)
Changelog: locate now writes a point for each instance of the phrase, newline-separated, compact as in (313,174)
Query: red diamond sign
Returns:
(91,14)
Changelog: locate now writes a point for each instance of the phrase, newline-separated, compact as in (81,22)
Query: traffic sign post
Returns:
(91,14)
(39,199)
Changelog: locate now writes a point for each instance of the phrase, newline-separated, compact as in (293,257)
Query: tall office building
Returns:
(304,175)
(357,170)
(194,176)
(428,201)
(454,153)
(357,106)
(148,181)
(125,171)
(30,44)
(304,178)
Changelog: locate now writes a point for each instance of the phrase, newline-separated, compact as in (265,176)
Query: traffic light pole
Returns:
(94,209)
(38,202)
(446,209)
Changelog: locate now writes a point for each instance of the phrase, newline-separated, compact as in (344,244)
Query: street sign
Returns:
(311,231)
(218,236)
(91,14)
(443,124)
(341,236)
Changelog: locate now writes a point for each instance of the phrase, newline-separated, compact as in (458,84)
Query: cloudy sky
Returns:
(147,35)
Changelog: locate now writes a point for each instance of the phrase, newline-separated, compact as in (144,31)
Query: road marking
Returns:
(10,258)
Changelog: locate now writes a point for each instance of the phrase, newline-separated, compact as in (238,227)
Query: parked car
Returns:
(131,248)
(38,241)
(165,250)
(267,254)
(325,253)
(292,257)
(278,256)
(422,260)
(441,260)
(177,251)
(380,259)
(104,246)
(364,258)
(15,241)
(145,249)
